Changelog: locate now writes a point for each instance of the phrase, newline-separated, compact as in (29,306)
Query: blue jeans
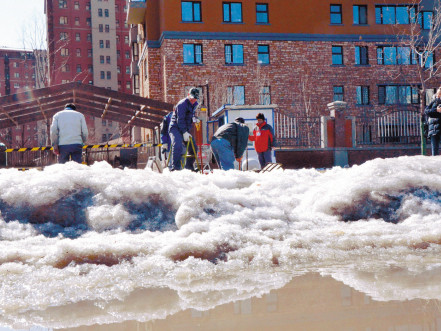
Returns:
(223,153)
(75,151)
(434,141)
(265,158)
(178,148)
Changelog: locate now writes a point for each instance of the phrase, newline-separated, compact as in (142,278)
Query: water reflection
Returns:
(309,302)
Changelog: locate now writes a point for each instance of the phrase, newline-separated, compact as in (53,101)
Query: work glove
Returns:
(196,120)
(186,136)
(164,148)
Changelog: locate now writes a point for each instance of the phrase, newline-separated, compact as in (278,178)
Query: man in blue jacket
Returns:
(180,125)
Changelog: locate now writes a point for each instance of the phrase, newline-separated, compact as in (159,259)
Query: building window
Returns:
(108,59)
(117,23)
(63,36)
(100,12)
(338,93)
(337,55)
(63,20)
(262,13)
(15,64)
(336,14)
(263,54)
(78,67)
(127,53)
(89,53)
(77,21)
(104,137)
(392,55)
(89,37)
(234,54)
(428,60)
(232,12)
(109,75)
(392,14)
(126,40)
(77,5)
(107,28)
(117,39)
(118,69)
(65,68)
(118,54)
(107,43)
(62,3)
(88,21)
(127,69)
(16,75)
(101,43)
(361,55)
(101,59)
(90,68)
(236,95)
(192,53)
(128,86)
(78,52)
(116,8)
(425,19)
(191,11)
(398,94)
(100,28)
(362,95)
(264,95)
(106,12)
(87,5)
(360,14)
(102,74)
(77,36)
(64,52)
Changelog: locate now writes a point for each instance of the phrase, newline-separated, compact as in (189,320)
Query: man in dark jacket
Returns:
(180,125)
(264,141)
(433,113)
(229,142)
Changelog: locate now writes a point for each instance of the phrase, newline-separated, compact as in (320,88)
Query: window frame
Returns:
(360,58)
(263,95)
(335,13)
(342,93)
(232,52)
(337,54)
(357,9)
(259,53)
(194,54)
(262,12)
(364,91)
(193,5)
(229,5)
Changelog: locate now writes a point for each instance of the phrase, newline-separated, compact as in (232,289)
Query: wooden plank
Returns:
(9,117)
(109,101)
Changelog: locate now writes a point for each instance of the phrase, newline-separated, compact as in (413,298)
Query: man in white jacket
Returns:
(68,134)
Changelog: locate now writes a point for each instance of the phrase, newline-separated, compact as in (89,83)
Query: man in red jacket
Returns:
(264,140)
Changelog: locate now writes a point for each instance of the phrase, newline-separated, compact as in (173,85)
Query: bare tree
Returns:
(423,39)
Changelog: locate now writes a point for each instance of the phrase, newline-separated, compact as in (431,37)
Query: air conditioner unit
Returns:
(139,38)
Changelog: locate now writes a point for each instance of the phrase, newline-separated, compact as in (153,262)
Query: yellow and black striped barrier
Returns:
(43,148)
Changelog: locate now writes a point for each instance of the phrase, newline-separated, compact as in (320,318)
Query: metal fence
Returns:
(398,127)
(297,132)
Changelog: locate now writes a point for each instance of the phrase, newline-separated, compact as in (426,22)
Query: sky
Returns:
(15,15)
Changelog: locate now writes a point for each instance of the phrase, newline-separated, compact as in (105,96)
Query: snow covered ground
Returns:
(78,243)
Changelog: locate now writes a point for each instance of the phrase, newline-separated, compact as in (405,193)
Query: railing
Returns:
(398,127)
(297,132)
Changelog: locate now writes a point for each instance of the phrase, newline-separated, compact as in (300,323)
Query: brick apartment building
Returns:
(19,73)
(292,53)
(88,42)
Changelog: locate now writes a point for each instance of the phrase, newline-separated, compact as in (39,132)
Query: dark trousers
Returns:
(264,158)
(434,141)
(178,148)
(74,151)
